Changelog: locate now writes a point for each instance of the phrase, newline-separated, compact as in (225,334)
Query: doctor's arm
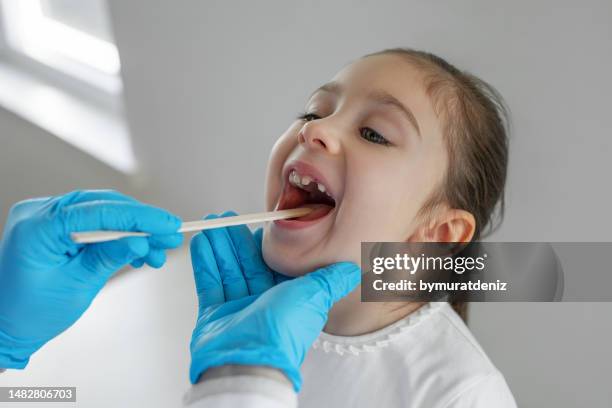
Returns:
(254,326)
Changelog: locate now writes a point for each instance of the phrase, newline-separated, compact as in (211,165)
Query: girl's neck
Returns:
(351,317)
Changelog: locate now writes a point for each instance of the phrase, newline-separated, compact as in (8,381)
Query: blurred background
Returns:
(179,103)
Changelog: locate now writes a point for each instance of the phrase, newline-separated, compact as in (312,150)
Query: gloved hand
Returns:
(246,317)
(47,281)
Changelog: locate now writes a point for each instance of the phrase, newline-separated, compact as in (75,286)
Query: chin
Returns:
(285,261)
(284,258)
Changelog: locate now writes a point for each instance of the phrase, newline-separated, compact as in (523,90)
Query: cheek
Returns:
(278,156)
(384,202)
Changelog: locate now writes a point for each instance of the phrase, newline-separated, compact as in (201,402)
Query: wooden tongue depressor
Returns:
(90,237)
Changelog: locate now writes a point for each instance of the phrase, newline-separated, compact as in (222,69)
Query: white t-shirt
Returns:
(428,359)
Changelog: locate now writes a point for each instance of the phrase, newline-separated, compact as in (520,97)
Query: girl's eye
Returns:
(373,136)
(307,117)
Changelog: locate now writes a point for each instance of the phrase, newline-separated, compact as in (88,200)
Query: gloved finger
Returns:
(156,258)
(222,310)
(116,215)
(24,210)
(106,258)
(232,277)
(280,278)
(137,263)
(258,238)
(166,241)
(208,283)
(336,281)
(80,196)
(256,273)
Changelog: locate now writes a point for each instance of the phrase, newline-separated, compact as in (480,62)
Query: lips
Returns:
(303,187)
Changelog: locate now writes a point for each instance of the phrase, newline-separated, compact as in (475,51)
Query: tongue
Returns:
(318,211)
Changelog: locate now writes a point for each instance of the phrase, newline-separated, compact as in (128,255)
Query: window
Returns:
(62,53)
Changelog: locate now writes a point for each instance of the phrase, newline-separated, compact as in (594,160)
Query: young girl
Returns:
(399,146)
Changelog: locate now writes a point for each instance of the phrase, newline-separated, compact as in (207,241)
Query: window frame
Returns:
(92,101)
(103,90)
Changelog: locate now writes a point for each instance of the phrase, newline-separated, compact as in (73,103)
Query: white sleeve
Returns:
(491,391)
(241,392)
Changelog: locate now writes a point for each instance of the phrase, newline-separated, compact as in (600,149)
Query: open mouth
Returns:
(304,190)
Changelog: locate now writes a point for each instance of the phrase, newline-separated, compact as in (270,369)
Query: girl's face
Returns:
(366,156)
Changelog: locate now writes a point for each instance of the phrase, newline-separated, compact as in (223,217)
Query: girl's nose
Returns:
(318,136)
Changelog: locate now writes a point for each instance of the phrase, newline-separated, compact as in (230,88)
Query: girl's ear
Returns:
(449,225)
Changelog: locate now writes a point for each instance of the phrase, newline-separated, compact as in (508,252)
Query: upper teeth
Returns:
(303,181)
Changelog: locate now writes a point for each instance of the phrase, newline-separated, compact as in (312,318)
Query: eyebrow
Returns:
(331,87)
(380,97)
(385,98)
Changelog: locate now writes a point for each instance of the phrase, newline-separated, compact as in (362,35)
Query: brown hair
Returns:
(476,122)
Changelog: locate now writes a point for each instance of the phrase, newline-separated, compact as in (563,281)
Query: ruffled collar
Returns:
(373,341)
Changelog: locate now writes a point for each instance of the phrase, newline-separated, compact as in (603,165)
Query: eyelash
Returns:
(366,133)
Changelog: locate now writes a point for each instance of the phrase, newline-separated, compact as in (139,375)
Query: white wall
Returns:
(210,85)
(34,163)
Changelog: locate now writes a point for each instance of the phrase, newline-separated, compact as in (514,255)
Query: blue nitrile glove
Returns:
(245,318)
(47,281)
